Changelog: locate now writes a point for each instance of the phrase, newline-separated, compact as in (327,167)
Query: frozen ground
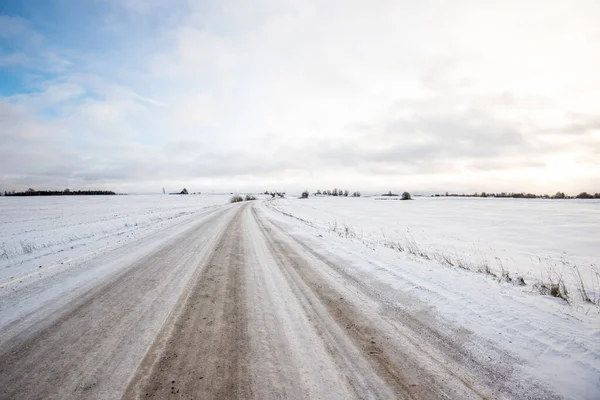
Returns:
(261,300)
(539,240)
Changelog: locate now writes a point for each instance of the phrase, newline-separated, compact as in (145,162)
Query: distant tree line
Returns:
(345,193)
(336,192)
(66,192)
(275,194)
(557,195)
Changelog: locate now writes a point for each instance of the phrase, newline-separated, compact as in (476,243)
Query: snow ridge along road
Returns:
(235,307)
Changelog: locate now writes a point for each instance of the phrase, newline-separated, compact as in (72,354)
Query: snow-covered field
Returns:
(557,342)
(40,234)
(55,251)
(542,241)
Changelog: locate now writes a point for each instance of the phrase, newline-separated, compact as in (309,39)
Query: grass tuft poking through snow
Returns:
(550,283)
(26,246)
(594,297)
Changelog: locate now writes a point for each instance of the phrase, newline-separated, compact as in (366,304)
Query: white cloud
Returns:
(462,95)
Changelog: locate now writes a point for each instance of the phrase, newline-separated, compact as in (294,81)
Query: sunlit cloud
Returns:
(247,95)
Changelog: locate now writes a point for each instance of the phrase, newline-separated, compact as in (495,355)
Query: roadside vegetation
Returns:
(237,198)
(552,283)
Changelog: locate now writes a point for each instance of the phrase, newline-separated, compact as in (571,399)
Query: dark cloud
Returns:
(580,125)
(424,141)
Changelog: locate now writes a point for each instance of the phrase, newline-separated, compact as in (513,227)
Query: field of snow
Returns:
(39,234)
(542,241)
(288,270)
(556,342)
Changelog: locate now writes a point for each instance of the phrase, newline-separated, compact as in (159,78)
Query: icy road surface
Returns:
(234,303)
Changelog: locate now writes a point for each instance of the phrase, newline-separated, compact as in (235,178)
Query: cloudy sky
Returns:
(134,95)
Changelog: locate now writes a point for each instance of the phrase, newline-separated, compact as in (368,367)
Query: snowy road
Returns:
(234,306)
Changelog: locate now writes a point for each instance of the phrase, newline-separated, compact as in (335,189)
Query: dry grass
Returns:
(588,296)
(27,247)
(552,284)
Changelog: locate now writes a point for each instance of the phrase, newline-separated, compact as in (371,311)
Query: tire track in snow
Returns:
(260,302)
(338,321)
(259,314)
(416,350)
(200,353)
(91,347)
